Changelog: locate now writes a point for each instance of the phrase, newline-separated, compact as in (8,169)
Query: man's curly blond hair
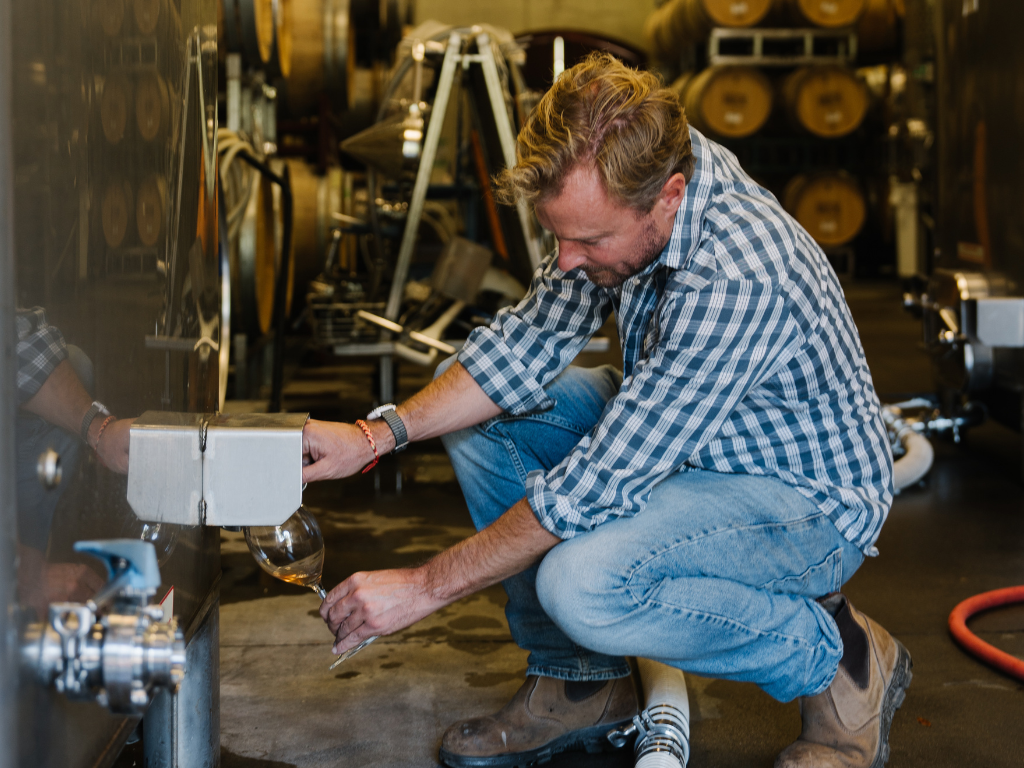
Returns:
(600,112)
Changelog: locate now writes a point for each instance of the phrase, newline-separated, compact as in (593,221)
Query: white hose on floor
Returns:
(915,463)
(664,725)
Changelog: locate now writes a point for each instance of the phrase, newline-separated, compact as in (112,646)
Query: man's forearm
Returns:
(510,545)
(62,400)
(451,402)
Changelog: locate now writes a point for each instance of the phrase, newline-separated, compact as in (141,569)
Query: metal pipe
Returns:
(8,368)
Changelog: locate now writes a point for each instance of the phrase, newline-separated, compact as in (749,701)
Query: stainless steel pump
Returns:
(115,649)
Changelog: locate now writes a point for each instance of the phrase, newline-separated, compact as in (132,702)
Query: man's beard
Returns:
(651,247)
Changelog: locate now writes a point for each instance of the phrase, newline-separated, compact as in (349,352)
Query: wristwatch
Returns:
(390,415)
(94,410)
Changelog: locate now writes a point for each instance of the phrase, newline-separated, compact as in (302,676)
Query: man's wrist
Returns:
(382,436)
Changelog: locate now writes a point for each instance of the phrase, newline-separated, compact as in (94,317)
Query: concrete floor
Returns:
(962,533)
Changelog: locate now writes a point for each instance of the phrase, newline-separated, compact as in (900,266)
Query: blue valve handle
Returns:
(130,561)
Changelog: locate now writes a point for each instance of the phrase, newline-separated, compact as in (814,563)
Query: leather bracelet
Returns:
(103,426)
(373,444)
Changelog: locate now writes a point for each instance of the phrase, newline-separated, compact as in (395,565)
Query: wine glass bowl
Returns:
(292,551)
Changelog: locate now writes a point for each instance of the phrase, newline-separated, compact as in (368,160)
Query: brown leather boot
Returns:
(545,717)
(847,726)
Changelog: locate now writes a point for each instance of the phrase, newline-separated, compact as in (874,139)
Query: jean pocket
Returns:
(818,580)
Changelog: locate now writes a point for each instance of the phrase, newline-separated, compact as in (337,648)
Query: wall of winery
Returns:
(613,18)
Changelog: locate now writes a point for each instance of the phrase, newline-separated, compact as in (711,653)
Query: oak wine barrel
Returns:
(116,211)
(115,106)
(680,21)
(878,28)
(823,13)
(733,102)
(152,105)
(828,101)
(110,16)
(830,206)
(325,62)
(248,29)
(151,209)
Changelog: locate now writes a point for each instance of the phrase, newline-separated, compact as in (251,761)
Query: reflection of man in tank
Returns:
(56,411)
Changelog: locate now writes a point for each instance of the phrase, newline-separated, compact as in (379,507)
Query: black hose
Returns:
(281,284)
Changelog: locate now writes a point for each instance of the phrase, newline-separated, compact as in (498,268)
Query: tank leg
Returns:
(183,731)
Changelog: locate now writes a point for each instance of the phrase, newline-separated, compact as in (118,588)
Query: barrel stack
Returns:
(301,75)
(137,58)
(776,82)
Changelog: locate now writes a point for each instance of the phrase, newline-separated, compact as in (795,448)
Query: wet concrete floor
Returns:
(959,534)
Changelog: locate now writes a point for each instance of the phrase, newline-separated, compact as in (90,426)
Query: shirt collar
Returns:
(689,219)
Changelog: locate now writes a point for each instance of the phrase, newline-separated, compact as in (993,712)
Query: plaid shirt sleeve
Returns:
(714,344)
(526,347)
(41,348)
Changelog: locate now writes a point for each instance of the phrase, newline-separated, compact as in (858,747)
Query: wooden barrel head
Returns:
(878,28)
(735,13)
(284,35)
(150,209)
(152,105)
(115,104)
(832,13)
(269,234)
(116,211)
(147,15)
(828,101)
(305,80)
(307,253)
(264,13)
(729,101)
(830,207)
(109,15)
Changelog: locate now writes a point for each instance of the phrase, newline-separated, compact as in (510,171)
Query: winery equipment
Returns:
(108,204)
(115,649)
(971,292)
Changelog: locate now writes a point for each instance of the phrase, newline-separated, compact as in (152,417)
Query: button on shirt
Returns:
(40,349)
(739,356)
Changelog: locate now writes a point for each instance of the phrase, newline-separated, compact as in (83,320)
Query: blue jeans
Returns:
(717,576)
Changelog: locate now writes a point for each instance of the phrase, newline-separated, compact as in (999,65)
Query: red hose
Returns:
(974,645)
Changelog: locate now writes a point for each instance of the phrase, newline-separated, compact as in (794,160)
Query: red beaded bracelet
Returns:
(103,426)
(373,444)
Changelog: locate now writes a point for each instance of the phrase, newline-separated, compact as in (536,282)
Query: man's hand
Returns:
(333,450)
(112,448)
(384,602)
(377,603)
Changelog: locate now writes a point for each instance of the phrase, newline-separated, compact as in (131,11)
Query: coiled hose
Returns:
(973,644)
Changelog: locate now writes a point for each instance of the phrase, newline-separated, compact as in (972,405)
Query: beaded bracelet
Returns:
(103,426)
(373,444)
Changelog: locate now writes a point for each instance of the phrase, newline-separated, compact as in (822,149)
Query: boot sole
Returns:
(894,695)
(593,740)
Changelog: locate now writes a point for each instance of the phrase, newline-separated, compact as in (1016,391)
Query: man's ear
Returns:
(672,193)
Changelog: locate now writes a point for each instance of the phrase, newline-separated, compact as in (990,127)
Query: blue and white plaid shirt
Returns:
(739,355)
(40,349)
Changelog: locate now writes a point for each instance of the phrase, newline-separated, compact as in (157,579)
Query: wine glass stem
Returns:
(319,590)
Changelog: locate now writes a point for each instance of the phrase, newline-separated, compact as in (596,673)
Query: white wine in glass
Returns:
(294,552)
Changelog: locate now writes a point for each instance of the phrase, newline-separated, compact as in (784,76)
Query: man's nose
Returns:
(570,256)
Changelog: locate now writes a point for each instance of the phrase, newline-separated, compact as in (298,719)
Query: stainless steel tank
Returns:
(108,220)
(973,304)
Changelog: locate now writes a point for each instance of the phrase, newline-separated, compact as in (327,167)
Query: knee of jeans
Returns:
(581,593)
(445,364)
(83,367)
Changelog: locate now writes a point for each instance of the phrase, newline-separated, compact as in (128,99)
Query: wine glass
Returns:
(294,552)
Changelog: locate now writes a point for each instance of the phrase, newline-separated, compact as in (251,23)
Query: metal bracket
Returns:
(224,469)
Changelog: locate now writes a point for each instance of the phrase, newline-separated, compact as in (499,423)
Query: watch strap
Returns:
(394,421)
(94,410)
